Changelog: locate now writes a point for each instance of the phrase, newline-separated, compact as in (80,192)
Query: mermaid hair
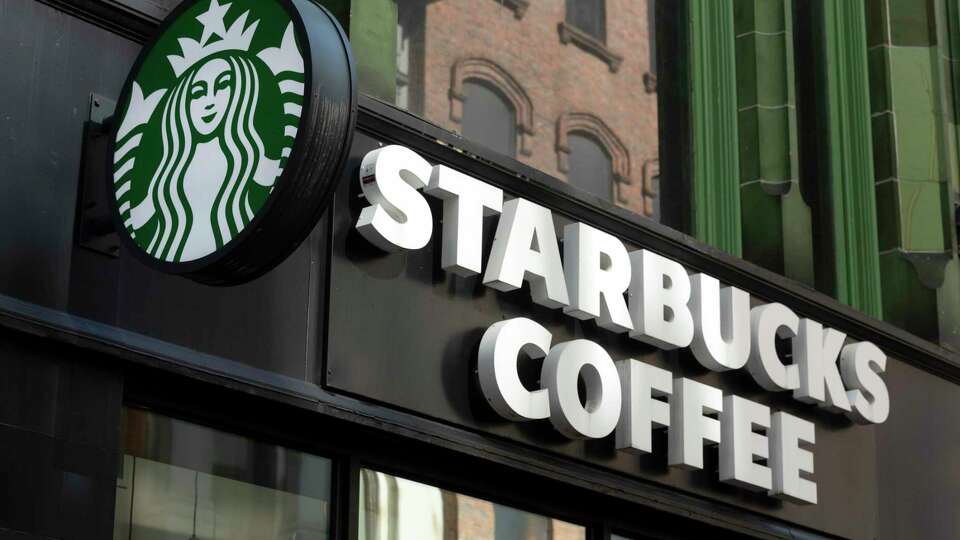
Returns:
(241,145)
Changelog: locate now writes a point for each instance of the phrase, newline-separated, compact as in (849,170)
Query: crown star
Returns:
(212,21)
(236,38)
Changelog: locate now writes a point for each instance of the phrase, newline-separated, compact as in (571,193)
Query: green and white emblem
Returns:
(213,113)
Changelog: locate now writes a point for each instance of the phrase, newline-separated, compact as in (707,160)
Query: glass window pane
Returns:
(179,480)
(589,16)
(488,118)
(590,167)
(393,507)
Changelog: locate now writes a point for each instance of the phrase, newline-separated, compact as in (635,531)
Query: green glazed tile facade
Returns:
(948,46)
(768,140)
(910,148)
(846,178)
(716,169)
(373,37)
(907,302)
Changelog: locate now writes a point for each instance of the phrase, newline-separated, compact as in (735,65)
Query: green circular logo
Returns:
(212,117)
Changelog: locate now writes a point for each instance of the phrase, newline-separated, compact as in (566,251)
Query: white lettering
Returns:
(598,274)
(465,201)
(525,248)
(398,216)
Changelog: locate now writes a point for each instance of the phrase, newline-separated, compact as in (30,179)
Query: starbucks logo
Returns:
(216,124)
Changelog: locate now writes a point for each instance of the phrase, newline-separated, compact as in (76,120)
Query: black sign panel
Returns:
(406,333)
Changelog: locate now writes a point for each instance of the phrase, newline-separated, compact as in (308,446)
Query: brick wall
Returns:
(555,77)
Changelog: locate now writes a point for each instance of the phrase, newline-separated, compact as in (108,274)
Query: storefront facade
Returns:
(353,385)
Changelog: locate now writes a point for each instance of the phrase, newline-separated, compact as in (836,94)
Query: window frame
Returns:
(599,30)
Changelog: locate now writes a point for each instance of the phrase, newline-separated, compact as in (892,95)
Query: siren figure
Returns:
(211,151)
(205,142)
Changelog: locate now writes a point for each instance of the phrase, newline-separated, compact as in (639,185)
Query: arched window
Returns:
(588,16)
(482,77)
(489,118)
(590,166)
(594,158)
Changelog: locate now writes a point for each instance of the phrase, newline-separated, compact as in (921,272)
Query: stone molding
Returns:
(572,34)
(519,7)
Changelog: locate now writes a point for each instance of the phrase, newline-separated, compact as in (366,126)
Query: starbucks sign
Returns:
(231,134)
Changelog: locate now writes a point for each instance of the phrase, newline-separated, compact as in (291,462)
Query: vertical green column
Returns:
(716,193)
(910,161)
(848,179)
(373,37)
(776,222)
(948,44)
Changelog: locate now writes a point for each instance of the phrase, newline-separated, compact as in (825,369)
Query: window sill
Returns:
(519,7)
(571,34)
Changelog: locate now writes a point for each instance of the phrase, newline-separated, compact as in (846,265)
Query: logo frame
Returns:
(305,187)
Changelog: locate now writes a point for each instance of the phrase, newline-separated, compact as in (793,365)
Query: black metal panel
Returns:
(391,125)
(59,61)
(403,332)
(59,435)
(54,62)
(918,462)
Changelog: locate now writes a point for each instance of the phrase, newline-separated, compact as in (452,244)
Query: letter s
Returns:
(398,216)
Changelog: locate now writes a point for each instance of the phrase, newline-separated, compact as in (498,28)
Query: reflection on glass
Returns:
(394,508)
(182,481)
(488,117)
(588,16)
(590,166)
(534,80)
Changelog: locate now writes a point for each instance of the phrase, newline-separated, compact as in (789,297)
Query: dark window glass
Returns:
(590,167)
(589,16)
(489,118)
(652,32)
(180,480)
(397,508)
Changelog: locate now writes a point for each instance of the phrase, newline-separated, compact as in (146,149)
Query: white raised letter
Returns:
(644,389)
(598,274)
(562,369)
(525,248)
(497,368)
(659,292)
(815,351)
(742,445)
(690,429)
(465,201)
(861,365)
(767,323)
(788,459)
(398,216)
(721,322)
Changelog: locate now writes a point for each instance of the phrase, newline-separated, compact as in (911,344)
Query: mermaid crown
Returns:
(235,38)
